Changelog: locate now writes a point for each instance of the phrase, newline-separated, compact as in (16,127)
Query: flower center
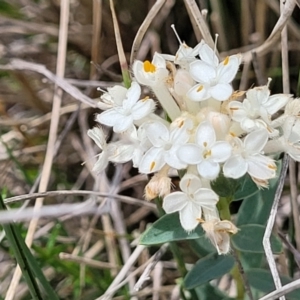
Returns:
(149,67)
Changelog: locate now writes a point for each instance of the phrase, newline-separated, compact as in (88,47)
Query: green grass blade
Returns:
(28,264)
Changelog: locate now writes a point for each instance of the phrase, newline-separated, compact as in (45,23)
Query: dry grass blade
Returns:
(122,58)
(18,64)
(200,21)
(282,291)
(60,70)
(276,32)
(144,27)
(270,225)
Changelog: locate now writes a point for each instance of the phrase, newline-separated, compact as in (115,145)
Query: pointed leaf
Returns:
(210,267)
(247,188)
(262,280)
(168,229)
(249,239)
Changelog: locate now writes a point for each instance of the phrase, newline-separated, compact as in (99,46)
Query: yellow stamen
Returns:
(180,123)
(152,165)
(232,134)
(149,67)
(272,167)
(207,154)
(145,99)
(226,61)
(200,88)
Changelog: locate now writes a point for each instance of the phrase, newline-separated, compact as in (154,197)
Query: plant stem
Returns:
(176,254)
(223,207)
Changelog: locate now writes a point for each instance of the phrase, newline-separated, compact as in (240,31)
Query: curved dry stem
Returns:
(144,27)
(275,34)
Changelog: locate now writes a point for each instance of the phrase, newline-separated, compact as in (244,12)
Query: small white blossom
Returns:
(213,78)
(190,201)
(206,152)
(113,97)
(257,108)
(165,143)
(98,136)
(122,117)
(151,73)
(248,158)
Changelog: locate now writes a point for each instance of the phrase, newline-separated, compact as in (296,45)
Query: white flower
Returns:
(113,97)
(190,201)
(122,117)
(186,54)
(132,146)
(165,145)
(151,73)
(206,153)
(257,108)
(98,136)
(248,157)
(155,74)
(214,78)
(289,142)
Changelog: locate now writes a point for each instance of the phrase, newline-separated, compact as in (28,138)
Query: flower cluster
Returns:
(210,129)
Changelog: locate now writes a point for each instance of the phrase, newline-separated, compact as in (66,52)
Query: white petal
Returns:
(199,92)
(98,136)
(235,167)
(101,163)
(142,109)
(117,93)
(120,153)
(158,61)
(139,74)
(228,69)
(208,55)
(237,110)
(157,133)
(205,135)
(208,169)
(206,198)
(174,202)
(179,136)
(133,94)
(190,183)
(261,167)
(188,217)
(221,91)
(123,123)
(108,117)
(172,160)
(152,161)
(190,154)
(220,151)
(276,102)
(256,141)
(202,72)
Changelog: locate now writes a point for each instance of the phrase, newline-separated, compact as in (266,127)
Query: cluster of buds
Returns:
(209,128)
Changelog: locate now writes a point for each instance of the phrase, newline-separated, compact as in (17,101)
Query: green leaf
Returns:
(262,280)
(210,267)
(224,187)
(246,188)
(28,265)
(209,292)
(202,246)
(168,229)
(249,239)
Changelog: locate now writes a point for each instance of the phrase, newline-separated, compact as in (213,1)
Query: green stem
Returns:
(176,254)
(223,207)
